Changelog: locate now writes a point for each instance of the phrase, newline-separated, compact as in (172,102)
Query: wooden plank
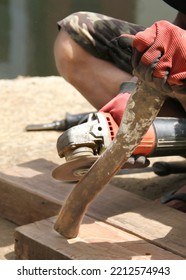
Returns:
(160,225)
(21,206)
(96,240)
(28,193)
(7,240)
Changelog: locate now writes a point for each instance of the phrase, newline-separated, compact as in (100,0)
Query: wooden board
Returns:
(96,240)
(28,193)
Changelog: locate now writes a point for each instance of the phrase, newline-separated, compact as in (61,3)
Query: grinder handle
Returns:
(162,168)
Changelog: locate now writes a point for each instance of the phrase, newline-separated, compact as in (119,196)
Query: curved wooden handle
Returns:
(142,108)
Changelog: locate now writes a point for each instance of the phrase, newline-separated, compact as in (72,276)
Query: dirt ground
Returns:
(27,100)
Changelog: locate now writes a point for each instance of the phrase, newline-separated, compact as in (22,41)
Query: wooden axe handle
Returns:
(142,108)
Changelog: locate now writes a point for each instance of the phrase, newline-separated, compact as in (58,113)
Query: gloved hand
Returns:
(159,56)
(137,161)
(116,108)
(117,105)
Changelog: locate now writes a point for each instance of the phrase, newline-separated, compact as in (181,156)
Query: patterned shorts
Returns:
(97,34)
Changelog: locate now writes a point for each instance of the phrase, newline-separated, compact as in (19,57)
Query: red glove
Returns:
(116,106)
(159,56)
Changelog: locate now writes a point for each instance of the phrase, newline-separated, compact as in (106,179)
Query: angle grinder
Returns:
(83,144)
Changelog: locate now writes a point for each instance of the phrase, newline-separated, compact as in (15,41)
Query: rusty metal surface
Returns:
(143,106)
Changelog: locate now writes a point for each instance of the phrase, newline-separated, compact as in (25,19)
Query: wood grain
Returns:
(96,240)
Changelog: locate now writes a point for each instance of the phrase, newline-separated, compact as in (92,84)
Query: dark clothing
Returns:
(179,5)
(96,33)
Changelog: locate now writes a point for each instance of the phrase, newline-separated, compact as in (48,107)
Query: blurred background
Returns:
(28,28)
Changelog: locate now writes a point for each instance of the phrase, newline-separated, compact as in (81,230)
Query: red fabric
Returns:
(168,42)
(116,106)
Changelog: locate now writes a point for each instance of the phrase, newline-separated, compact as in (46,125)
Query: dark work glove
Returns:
(159,56)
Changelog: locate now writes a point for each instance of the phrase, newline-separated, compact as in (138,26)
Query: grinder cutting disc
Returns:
(74,169)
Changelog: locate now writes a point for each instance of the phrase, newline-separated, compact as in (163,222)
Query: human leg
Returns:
(176,199)
(91,61)
(97,80)
(88,59)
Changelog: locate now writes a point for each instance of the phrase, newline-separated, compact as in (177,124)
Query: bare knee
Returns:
(70,57)
(64,54)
